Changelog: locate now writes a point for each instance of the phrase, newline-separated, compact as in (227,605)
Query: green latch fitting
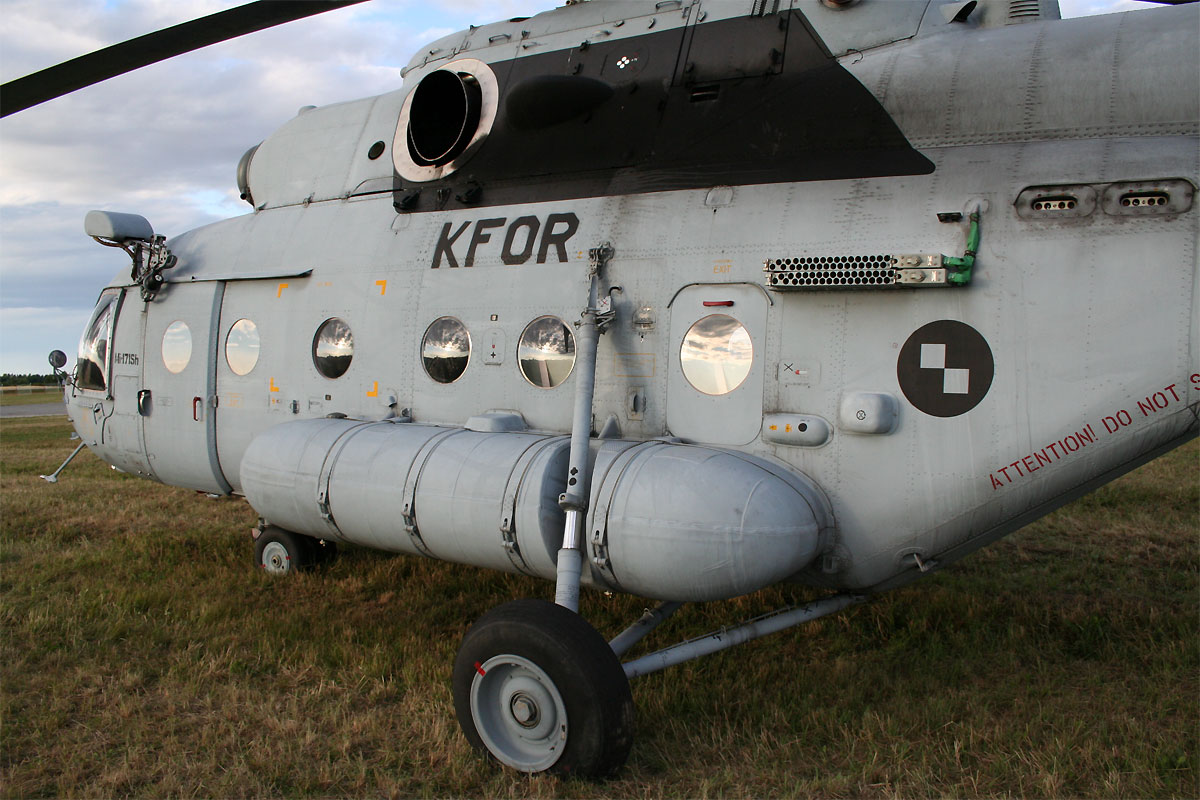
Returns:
(959,269)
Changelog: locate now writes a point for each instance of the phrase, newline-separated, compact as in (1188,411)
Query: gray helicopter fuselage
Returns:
(916,422)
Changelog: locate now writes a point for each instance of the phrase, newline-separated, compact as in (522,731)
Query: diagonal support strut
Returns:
(775,621)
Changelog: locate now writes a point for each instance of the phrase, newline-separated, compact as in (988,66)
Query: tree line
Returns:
(26,379)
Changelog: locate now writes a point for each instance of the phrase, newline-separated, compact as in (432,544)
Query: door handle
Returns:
(196,408)
(143,402)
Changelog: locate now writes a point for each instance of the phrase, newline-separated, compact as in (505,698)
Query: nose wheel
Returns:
(538,688)
(281,552)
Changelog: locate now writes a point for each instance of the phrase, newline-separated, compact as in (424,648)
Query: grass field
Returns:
(144,655)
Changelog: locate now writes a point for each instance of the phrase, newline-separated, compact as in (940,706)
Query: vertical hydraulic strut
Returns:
(574,500)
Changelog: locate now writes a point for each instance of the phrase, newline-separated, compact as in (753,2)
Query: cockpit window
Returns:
(333,348)
(91,370)
(546,352)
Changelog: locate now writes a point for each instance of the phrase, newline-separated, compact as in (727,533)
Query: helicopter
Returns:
(679,299)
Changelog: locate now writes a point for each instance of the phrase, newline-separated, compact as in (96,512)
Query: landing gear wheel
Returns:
(281,552)
(537,688)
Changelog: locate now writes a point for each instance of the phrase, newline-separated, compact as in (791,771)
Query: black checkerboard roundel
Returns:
(945,368)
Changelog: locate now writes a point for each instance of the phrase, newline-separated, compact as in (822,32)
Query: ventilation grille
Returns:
(854,272)
(1024,10)
(831,272)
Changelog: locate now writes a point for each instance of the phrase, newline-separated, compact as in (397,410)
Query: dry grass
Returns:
(143,655)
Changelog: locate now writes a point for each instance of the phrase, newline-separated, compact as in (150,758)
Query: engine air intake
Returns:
(444,120)
(444,116)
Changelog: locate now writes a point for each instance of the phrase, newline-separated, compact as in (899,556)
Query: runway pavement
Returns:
(34,410)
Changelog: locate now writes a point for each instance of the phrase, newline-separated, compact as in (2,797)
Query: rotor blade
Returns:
(22,93)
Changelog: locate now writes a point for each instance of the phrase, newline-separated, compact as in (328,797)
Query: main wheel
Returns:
(538,688)
(281,552)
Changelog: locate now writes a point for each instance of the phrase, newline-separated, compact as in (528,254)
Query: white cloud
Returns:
(1083,8)
(28,334)
(164,141)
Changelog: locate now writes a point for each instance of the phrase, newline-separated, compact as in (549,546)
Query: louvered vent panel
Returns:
(1024,10)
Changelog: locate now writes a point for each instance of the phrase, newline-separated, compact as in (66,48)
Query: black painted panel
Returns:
(806,118)
(745,47)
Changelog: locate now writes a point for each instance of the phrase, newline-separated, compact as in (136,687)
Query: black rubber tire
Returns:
(295,555)
(584,671)
(324,551)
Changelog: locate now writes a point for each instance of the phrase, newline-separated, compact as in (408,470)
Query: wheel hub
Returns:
(524,710)
(275,559)
(519,713)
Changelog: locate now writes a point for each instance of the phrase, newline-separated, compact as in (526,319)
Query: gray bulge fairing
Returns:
(685,299)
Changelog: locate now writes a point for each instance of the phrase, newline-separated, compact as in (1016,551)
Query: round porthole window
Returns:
(716,354)
(546,352)
(446,349)
(241,347)
(333,348)
(177,346)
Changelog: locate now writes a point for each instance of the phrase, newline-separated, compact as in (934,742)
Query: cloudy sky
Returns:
(164,141)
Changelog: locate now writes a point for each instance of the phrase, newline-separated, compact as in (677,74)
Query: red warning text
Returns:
(1055,451)
(1148,406)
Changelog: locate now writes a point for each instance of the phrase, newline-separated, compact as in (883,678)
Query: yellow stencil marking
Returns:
(279,292)
(374,390)
(382,287)
(274,388)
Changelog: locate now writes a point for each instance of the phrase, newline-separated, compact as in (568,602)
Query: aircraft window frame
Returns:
(443,363)
(704,372)
(173,338)
(238,349)
(106,310)
(334,373)
(567,349)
